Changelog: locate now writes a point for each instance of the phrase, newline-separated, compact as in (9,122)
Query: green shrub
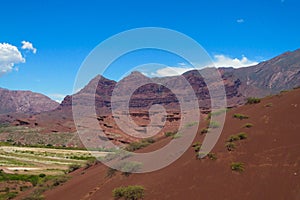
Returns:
(230,146)
(118,192)
(212,156)
(233,138)
(169,134)
(132,192)
(242,136)
(73,168)
(253,100)
(177,135)
(136,146)
(90,162)
(237,166)
(204,130)
(81,157)
(59,180)
(23,188)
(197,146)
(248,125)
(42,175)
(240,116)
(214,124)
(110,172)
(148,140)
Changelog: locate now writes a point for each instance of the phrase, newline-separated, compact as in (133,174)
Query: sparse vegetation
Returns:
(130,167)
(197,146)
(253,100)
(237,166)
(191,124)
(177,135)
(73,168)
(239,136)
(216,113)
(230,146)
(59,180)
(33,179)
(214,124)
(240,116)
(31,137)
(268,105)
(90,162)
(169,134)
(36,180)
(110,172)
(8,195)
(204,130)
(139,145)
(42,175)
(233,138)
(149,140)
(118,155)
(248,125)
(212,156)
(132,192)
(242,136)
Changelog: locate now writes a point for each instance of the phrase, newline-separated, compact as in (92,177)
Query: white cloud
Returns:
(57,97)
(29,46)
(219,60)
(240,21)
(9,57)
(226,61)
(171,71)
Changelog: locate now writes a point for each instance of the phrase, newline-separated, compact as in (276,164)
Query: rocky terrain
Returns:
(263,162)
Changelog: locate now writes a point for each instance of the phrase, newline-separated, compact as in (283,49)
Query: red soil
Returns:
(271,154)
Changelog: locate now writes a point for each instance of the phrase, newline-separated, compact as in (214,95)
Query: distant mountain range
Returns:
(24,102)
(268,77)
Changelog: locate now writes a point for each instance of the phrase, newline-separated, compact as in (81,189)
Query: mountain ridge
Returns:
(24,101)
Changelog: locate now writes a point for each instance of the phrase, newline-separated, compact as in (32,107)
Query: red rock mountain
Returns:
(269,77)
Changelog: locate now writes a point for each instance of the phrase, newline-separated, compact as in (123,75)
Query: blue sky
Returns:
(64,32)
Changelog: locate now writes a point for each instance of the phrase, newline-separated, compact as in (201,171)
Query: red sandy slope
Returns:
(271,155)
